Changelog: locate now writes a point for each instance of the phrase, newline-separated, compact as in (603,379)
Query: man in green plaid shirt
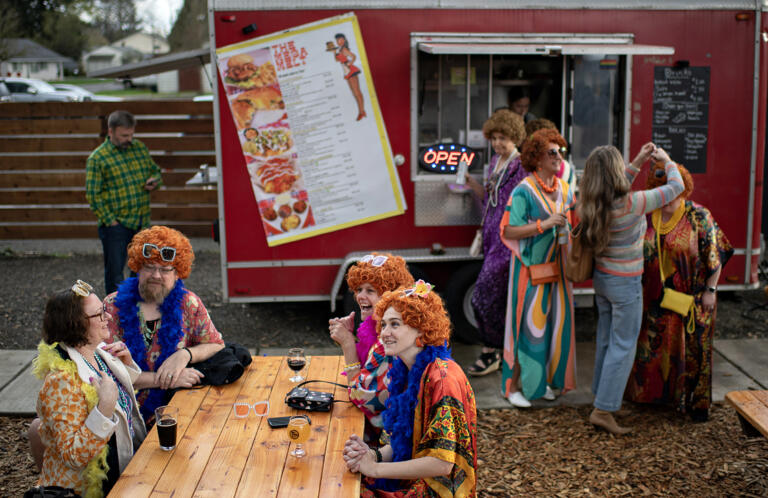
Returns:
(119,176)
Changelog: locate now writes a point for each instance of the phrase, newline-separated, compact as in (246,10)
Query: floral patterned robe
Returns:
(671,366)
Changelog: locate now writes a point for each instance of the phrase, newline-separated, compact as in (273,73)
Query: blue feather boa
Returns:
(169,335)
(398,417)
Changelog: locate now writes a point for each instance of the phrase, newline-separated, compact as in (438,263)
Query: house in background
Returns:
(32,60)
(110,56)
(149,45)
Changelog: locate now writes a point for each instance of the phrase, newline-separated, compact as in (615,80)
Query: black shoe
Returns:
(699,416)
(485,364)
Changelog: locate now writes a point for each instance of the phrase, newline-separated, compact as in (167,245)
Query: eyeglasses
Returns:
(164,270)
(82,289)
(166,253)
(555,152)
(101,314)
(242,409)
(374,260)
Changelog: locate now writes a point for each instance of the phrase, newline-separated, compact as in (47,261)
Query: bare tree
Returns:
(116,19)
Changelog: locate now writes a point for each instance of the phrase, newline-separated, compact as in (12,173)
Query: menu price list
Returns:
(681,114)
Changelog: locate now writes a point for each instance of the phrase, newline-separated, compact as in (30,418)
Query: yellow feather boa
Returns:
(48,359)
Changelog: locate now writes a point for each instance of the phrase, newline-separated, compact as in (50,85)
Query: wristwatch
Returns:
(712,289)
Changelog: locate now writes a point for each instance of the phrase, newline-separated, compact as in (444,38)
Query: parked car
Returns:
(32,90)
(83,95)
(5,94)
(148,81)
(203,98)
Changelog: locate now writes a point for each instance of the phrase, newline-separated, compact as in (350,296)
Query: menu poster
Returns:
(311,130)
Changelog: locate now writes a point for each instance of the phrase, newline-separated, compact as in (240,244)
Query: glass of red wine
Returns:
(296,362)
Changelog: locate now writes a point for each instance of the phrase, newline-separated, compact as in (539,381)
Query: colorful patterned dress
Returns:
(444,427)
(490,295)
(671,366)
(539,331)
(368,390)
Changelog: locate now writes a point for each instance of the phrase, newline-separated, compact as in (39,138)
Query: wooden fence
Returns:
(44,146)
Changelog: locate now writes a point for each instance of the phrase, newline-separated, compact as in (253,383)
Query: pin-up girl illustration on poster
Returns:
(351,72)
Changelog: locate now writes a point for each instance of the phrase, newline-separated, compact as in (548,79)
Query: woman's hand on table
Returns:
(341,329)
(106,389)
(188,377)
(355,451)
(120,351)
(169,371)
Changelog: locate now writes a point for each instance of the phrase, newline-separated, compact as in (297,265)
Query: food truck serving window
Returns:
(578,81)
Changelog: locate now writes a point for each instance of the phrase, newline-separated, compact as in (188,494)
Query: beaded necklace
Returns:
(545,187)
(122,396)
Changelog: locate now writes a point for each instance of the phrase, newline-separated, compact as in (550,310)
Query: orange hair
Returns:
(536,146)
(424,313)
(389,276)
(653,181)
(161,236)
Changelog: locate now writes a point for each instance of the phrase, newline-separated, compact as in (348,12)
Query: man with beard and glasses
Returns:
(119,176)
(164,325)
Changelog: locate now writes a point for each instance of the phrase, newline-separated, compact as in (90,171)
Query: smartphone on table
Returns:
(279,422)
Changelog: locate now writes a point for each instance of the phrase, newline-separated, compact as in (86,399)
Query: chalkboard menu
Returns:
(681,114)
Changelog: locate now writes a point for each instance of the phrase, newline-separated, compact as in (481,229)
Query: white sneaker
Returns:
(517,399)
(549,395)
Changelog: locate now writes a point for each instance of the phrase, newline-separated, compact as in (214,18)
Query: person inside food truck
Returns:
(520,102)
(366,363)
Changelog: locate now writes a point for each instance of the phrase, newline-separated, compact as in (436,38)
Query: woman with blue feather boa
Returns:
(430,415)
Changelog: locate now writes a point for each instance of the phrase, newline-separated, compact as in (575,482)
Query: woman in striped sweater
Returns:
(614,223)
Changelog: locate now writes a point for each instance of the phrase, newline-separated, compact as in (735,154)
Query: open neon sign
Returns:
(445,158)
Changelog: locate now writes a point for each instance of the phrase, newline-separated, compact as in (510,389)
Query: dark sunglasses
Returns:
(554,152)
(166,253)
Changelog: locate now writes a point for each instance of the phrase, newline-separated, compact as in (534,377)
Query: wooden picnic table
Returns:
(220,455)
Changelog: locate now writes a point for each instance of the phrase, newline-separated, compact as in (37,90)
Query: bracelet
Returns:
(379,458)
(538,226)
(190,354)
(712,289)
(352,366)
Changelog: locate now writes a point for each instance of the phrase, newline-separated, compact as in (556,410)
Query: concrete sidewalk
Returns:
(738,364)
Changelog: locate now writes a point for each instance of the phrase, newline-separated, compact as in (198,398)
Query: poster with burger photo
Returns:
(242,71)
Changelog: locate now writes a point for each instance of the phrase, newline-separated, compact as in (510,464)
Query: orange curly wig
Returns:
(162,237)
(424,313)
(389,276)
(652,181)
(536,146)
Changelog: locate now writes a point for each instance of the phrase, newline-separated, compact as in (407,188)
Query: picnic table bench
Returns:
(752,408)
(220,455)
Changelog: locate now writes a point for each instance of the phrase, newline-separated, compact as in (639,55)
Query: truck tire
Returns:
(458,299)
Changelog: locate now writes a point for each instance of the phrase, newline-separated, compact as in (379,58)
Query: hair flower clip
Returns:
(420,288)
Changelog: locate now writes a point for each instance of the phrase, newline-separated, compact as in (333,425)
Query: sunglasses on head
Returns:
(166,253)
(374,260)
(555,152)
(82,289)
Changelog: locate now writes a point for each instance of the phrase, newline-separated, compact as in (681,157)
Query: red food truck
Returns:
(689,75)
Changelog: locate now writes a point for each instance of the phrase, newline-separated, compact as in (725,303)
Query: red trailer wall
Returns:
(704,38)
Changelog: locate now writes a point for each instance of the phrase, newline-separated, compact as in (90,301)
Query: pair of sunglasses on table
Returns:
(242,408)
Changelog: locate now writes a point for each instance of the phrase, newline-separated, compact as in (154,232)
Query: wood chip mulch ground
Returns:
(555,452)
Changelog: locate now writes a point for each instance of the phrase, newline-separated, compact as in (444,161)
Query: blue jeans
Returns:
(114,241)
(620,309)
